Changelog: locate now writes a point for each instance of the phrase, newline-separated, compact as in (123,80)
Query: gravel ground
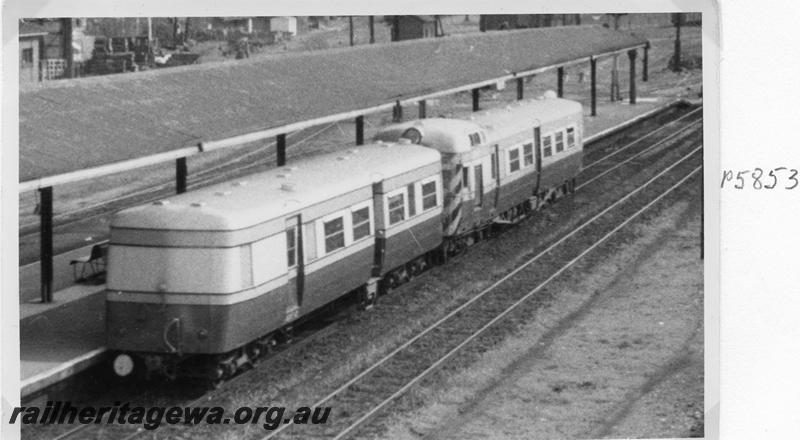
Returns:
(618,354)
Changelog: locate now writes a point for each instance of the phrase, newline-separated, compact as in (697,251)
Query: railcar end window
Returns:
(547,146)
(570,137)
(559,141)
(397,209)
(474,139)
(361,223)
(528,152)
(334,234)
(513,160)
(429,195)
(291,246)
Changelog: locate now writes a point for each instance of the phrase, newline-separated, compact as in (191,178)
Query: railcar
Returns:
(219,271)
(202,283)
(500,164)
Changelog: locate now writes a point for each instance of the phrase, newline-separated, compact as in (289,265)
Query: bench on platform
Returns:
(92,265)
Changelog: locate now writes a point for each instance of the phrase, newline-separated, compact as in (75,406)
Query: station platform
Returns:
(67,336)
(62,338)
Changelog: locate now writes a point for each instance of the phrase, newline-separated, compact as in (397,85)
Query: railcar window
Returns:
(361,223)
(429,195)
(513,160)
(494,166)
(334,234)
(291,247)
(465,177)
(528,152)
(412,207)
(570,137)
(559,141)
(474,139)
(397,209)
(547,146)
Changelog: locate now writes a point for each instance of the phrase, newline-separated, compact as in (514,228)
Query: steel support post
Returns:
(632,81)
(280,152)
(520,88)
(360,130)
(561,82)
(181,172)
(476,97)
(593,63)
(46,242)
(423,109)
(645,61)
(371,29)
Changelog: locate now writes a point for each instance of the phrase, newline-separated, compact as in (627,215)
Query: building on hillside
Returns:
(31,41)
(521,21)
(53,47)
(409,27)
(230,25)
(284,25)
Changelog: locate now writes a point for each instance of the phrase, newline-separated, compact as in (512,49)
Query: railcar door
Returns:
(537,148)
(294,258)
(478,186)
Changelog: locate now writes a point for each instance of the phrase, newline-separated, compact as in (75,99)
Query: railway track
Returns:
(387,380)
(624,154)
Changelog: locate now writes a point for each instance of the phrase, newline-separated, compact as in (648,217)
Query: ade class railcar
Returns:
(202,283)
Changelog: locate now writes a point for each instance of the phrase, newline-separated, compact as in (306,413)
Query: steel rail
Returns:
(646,150)
(635,141)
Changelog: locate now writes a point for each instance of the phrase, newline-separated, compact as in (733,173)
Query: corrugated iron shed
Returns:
(77,124)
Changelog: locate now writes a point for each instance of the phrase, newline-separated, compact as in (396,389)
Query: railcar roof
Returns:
(276,193)
(503,122)
(452,135)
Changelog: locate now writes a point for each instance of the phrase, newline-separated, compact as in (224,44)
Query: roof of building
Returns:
(89,122)
(278,192)
(27,29)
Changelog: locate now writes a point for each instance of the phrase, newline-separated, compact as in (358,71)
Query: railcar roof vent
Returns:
(161,202)
(352,151)
(284,175)
(198,204)
(240,183)
(287,186)
(222,193)
(341,158)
